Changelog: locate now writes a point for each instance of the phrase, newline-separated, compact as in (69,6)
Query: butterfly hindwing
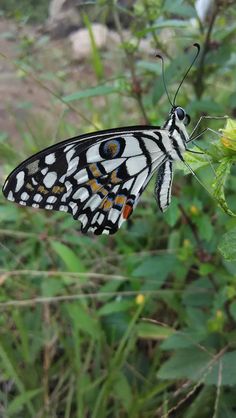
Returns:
(98,178)
(164,184)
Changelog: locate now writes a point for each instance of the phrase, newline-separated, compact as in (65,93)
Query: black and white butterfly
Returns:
(99,177)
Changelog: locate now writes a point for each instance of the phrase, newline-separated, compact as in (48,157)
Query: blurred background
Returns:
(142,323)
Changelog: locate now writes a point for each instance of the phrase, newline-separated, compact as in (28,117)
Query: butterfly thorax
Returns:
(176,127)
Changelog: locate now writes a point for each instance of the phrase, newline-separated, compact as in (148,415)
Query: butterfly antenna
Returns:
(185,75)
(163,77)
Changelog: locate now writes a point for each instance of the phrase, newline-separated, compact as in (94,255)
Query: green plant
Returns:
(141,324)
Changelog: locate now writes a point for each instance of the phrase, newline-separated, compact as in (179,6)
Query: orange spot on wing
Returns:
(95,186)
(114,178)
(42,190)
(58,189)
(94,170)
(107,204)
(120,200)
(127,211)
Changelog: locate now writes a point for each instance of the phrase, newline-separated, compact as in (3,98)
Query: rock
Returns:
(204,9)
(81,42)
(63,18)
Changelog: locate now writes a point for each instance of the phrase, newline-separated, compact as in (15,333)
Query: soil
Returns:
(24,97)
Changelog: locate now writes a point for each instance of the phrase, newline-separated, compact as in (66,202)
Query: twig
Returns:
(205,371)
(219,382)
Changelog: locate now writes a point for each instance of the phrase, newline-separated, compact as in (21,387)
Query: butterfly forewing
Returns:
(98,178)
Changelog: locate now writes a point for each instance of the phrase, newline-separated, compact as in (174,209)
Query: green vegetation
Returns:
(140,324)
(25,9)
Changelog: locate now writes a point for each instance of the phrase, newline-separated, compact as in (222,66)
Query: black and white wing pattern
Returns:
(98,177)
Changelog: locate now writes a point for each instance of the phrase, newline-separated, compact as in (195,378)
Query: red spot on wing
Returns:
(127,211)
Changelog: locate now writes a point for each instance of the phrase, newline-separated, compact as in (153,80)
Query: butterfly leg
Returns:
(191,138)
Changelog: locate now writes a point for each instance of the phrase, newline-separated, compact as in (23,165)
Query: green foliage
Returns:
(25,9)
(140,324)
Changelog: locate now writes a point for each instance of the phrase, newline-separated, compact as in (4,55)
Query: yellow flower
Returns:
(219,314)
(194,210)
(228,138)
(140,299)
(186,243)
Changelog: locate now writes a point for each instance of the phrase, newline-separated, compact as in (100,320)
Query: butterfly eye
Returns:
(180,113)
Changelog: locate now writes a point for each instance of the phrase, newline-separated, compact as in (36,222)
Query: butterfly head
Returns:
(180,115)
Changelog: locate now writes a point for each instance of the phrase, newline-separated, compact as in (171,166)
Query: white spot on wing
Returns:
(73,165)
(24,196)
(128,184)
(44,171)
(63,208)
(35,205)
(132,147)
(68,147)
(81,194)
(139,182)
(94,202)
(83,219)
(81,176)
(114,215)
(19,180)
(100,218)
(69,155)
(10,196)
(51,199)
(50,179)
(48,207)
(50,158)
(110,165)
(93,155)
(136,164)
(74,207)
(38,197)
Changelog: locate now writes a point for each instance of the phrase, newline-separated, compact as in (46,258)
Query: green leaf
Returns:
(153,331)
(167,23)
(194,364)
(183,339)
(222,173)
(96,60)
(13,375)
(115,306)
(157,268)
(123,390)
(232,310)
(172,215)
(71,260)
(205,227)
(227,245)
(179,8)
(83,320)
(196,161)
(18,403)
(102,90)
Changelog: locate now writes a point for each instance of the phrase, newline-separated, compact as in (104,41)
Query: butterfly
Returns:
(98,178)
